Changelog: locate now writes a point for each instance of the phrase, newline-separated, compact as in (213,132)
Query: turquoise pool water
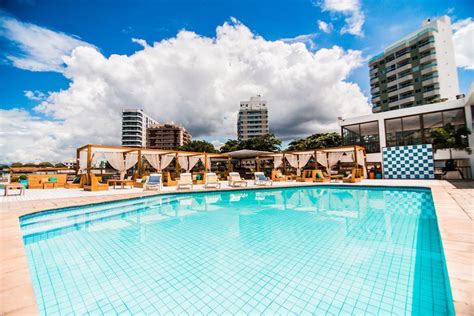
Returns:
(320,250)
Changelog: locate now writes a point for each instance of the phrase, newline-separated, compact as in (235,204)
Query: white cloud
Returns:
(463,38)
(307,39)
(193,80)
(325,27)
(37,48)
(352,10)
(35,95)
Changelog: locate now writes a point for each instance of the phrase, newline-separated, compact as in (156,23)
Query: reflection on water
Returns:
(332,237)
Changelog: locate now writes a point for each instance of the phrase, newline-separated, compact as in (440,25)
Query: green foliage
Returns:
(450,137)
(60,165)
(23,177)
(198,146)
(268,142)
(15,179)
(230,145)
(16,164)
(3,166)
(45,164)
(29,164)
(323,140)
(438,100)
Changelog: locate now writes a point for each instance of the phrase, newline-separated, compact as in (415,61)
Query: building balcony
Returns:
(374,90)
(430,81)
(393,93)
(426,47)
(428,58)
(431,93)
(374,80)
(406,89)
(429,70)
(376,109)
(376,99)
(405,67)
(373,72)
(398,59)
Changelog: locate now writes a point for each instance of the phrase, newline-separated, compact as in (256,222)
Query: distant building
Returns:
(415,70)
(253,118)
(134,125)
(167,136)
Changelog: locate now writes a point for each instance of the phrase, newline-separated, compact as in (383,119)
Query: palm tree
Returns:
(450,137)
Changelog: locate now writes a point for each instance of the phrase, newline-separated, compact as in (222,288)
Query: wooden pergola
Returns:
(91,149)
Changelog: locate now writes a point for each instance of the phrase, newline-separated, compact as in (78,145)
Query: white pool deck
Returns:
(454,203)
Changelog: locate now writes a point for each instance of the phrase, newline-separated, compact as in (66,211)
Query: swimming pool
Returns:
(331,250)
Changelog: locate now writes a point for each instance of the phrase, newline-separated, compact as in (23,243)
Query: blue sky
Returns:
(109,27)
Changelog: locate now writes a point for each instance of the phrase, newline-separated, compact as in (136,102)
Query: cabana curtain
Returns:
(303,160)
(292,160)
(117,161)
(277,161)
(166,160)
(154,161)
(333,158)
(183,162)
(361,161)
(322,159)
(193,160)
(82,161)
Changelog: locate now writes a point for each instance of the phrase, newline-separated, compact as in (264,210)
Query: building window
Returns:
(416,129)
(364,134)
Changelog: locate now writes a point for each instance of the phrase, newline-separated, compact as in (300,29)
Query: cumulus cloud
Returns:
(325,27)
(37,48)
(463,38)
(351,9)
(307,39)
(194,80)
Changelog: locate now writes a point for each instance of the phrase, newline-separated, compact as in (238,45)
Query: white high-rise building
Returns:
(418,69)
(253,118)
(134,126)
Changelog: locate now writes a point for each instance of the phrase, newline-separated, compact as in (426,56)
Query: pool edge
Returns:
(16,289)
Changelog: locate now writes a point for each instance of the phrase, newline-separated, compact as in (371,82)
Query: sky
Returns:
(68,68)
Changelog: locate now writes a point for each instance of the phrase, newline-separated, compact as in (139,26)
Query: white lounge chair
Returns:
(211,180)
(235,180)
(261,179)
(185,181)
(153,182)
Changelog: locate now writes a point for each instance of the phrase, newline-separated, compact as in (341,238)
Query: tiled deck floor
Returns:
(454,204)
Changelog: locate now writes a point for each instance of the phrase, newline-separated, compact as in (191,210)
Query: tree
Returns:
(45,164)
(267,142)
(230,145)
(450,137)
(60,165)
(16,164)
(198,146)
(315,141)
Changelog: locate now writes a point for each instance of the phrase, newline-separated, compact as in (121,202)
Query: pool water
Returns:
(320,250)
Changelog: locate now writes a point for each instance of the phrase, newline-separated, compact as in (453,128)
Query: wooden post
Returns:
(283,164)
(257,163)
(316,159)
(78,161)
(176,164)
(356,167)
(139,164)
(89,158)
(206,165)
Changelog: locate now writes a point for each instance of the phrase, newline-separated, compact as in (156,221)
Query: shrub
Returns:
(14,179)
(23,177)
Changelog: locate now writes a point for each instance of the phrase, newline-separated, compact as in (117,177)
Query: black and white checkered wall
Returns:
(408,162)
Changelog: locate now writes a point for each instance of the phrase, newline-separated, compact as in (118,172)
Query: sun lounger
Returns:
(278,176)
(211,180)
(320,177)
(235,180)
(261,179)
(185,181)
(153,182)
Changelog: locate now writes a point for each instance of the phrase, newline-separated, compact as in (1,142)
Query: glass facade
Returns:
(364,134)
(416,129)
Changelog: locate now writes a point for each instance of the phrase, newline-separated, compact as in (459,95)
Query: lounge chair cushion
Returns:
(261,177)
(76,180)
(53,179)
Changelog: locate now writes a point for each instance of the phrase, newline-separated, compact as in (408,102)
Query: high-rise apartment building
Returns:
(415,70)
(167,136)
(253,118)
(134,125)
